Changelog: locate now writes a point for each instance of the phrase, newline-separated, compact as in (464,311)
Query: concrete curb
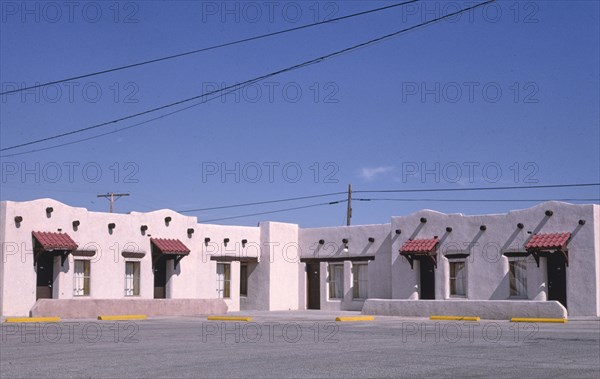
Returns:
(228,318)
(455,318)
(533,319)
(122,317)
(32,319)
(355,318)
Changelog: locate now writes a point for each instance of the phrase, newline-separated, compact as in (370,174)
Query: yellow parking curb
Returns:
(228,318)
(122,317)
(529,319)
(32,319)
(455,318)
(355,318)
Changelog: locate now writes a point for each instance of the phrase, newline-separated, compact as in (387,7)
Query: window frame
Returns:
(358,283)
(331,282)
(226,291)
(243,279)
(512,277)
(451,278)
(83,278)
(136,279)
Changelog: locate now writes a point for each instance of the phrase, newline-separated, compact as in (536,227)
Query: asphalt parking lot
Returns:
(299,345)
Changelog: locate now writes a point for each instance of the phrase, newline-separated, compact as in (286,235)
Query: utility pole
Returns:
(111,197)
(349,210)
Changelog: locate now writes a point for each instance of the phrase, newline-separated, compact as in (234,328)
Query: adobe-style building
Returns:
(536,261)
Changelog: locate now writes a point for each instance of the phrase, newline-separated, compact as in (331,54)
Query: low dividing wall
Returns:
(92,308)
(486,309)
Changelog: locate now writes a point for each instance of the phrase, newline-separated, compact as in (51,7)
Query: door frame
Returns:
(425,263)
(47,258)
(313,285)
(159,267)
(556,262)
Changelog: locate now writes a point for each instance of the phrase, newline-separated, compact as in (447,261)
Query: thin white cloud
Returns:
(370,173)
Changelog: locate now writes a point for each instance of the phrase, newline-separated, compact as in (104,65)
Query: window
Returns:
(81,278)
(132,278)
(360,280)
(518,278)
(458,279)
(336,281)
(244,279)
(223,280)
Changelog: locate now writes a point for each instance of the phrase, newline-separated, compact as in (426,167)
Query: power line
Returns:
(474,200)
(261,202)
(257,79)
(276,211)
(382,199)
(126,127)
(210,47)
(234,87)
(481,188)
(405,190)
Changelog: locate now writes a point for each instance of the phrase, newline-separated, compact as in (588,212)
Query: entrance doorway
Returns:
(427,279)
(160,278)
(557,278)
(45,276)
(313,274)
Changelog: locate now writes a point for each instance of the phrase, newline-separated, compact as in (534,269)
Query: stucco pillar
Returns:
(324,288)
(59,283)
(302,286)
(442,273)
(233,302)
(169,290)
(538,290)
(347,285)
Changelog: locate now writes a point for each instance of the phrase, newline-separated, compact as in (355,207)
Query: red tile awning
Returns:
(549,241)
(541,243)
(170,246)
(49,241)
(419,246)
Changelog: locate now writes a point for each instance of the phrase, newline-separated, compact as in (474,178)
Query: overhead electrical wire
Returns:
(256,79)
(385,199)
(261,202)
(480,188)
(411,190)
(214,47)
(474,200)
(389,199)
(126,127)
(241,85)
(276,211)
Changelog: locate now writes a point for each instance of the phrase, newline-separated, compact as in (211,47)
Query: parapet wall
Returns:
(486,309)
(92,308)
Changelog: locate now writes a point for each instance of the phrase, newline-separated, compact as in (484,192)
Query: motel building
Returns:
(59,260)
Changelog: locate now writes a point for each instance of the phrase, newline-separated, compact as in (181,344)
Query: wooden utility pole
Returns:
(349,210)
(111,197)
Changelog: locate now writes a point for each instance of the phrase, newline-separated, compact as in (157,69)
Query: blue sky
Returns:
(506,95)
